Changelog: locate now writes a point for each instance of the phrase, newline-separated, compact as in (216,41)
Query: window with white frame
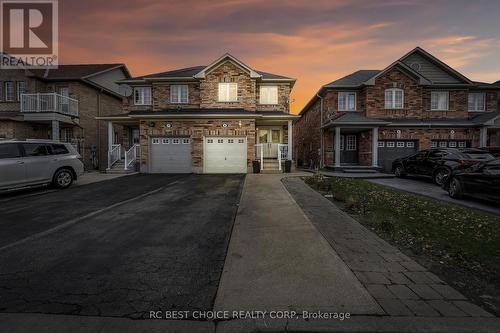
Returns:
(440,100)
(381,144)
(342,142)
(179,93)
(394,98)
(434,144)
(410,144)
(156,141)
(9,91)
(400,144)
(142,95)
(347,101)
(21,89)
(228,92)
(390,144)
(268,95)
(477,102)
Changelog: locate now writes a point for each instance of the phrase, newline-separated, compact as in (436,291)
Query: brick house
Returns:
(371,117)
(204,119)
(62,104)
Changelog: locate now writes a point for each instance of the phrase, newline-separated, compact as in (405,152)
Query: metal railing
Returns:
(114,155)
(282,154)
(268,150)
(259,154)
(49,102)
(131,156)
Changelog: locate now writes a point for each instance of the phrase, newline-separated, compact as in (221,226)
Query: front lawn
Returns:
(450,239)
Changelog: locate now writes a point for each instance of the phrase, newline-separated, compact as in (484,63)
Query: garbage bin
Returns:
(256,166)
(288,166)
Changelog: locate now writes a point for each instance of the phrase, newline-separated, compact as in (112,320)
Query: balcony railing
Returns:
(49,102)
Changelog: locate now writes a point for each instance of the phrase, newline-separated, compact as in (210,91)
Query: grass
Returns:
(439,231)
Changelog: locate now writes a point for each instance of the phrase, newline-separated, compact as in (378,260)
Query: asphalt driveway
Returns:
(122,247)
(429,189)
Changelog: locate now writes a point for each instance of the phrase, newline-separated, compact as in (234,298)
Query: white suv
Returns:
(35,162)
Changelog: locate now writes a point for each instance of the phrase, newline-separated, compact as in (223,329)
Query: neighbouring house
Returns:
(205,119)
(62,104)
(371,117)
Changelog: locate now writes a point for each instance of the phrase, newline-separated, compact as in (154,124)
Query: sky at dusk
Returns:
(314,41)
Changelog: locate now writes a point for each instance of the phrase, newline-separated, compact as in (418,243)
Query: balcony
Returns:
(43,103)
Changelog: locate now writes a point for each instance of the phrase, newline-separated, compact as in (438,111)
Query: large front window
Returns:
(347,101)
(439,100)
(394,98)
(268,95)
(179,94)
(477,102)
(142,95)
(228,92)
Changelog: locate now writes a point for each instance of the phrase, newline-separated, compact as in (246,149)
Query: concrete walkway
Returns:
(277,260)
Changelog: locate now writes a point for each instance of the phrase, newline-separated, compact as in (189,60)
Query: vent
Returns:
(415,66)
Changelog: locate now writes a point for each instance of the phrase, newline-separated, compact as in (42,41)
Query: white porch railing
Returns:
(114,155)
(282,154)
(49,102)
(259,154)
(268,150)
(131,156)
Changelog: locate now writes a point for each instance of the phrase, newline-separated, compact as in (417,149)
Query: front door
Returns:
(269,138)
(349,149)
(134,137)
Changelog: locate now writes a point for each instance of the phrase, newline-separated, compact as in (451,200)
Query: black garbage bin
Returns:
(256,166)
(288,166)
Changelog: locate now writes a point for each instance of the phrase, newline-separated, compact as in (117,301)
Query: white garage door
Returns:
(225,155)
(170,155)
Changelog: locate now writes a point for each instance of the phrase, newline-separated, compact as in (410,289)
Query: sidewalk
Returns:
(277,260)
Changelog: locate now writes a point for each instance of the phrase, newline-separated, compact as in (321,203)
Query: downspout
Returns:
(321,140)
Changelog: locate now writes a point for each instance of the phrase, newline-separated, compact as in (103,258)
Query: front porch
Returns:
(273,144)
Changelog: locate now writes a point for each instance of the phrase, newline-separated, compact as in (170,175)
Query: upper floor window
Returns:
(347,101)
(439,100)
(21,89)
(228,92)
(179,93)
(142,95)
(9,91)
(394,98)
(477,102)
(269,95)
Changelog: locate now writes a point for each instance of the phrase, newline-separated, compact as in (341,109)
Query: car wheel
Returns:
(399,171)
(455,189)
(440,175)
(63,178)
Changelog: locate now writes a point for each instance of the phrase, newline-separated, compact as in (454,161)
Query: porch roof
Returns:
(353,119)
(201,113)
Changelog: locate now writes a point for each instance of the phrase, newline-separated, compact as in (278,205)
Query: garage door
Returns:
(170,155)
(450,144)
(389,150)
(225,155)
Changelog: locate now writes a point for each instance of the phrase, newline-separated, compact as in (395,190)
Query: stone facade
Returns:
(197,130)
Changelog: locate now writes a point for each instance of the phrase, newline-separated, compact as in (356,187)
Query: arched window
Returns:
(394,98)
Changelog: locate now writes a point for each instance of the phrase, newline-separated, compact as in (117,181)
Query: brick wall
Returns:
(17,129)
(306,135)
(228,72)
(427,135)
(283,99)
(197,129)
(161,96)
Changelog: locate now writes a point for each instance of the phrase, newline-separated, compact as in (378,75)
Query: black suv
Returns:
(439,163)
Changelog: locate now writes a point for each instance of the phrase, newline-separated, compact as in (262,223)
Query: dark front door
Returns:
(349,151)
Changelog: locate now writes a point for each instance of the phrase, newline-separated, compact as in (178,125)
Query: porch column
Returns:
(483,137)
(290,139)
(110,142)
(55,130)
(375,147)
(337,147)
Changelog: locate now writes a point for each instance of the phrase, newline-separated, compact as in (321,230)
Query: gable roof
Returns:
(353,80)
(74,72)
(198,72)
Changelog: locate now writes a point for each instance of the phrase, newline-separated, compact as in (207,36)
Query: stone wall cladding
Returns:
(161,96)
(283,99)
(197,130)
(228,72)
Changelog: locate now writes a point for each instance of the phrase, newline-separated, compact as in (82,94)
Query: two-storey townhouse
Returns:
(218,118)
(62,104)
(371,117)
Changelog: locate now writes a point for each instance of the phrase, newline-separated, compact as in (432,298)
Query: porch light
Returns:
(224,125)
(151,124)
(169,125)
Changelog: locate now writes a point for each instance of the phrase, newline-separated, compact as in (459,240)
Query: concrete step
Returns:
(268,171)
(359,171)
(120,171)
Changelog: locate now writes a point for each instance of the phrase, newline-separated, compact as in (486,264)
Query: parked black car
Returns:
(495,151)
(439,163)
(480,181)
